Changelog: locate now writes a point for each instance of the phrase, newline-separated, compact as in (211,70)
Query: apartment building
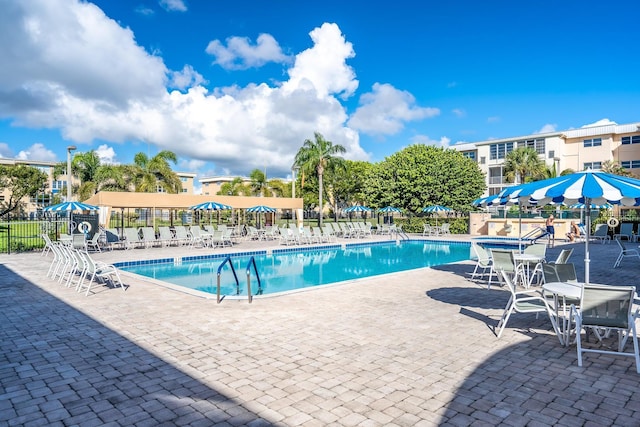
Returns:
(576,149)
(212,185)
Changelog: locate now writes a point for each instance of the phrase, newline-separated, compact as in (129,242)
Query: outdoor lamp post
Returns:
(70,148)
(294,168)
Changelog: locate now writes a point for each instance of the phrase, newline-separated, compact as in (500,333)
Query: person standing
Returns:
(551,231)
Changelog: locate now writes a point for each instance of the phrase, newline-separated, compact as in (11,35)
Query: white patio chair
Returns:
(607,308)
(525,301)
(601,233)
(626,231)
(483,261)
(624,253)
(97,270)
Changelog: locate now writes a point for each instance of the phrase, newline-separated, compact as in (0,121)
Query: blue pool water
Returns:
(287,270)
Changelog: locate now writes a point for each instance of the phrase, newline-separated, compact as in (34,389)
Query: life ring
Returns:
(613,222)
(85,227)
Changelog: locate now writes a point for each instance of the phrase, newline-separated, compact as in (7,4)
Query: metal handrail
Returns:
(228,259)
(252,261)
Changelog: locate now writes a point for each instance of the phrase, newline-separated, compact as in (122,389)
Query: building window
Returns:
(630,164)
(184,190)
(537,144)
(500,151)
(470,155)
(552,154)
(595,142)
(634,139)
(593,166)
(184,179)
(483,160)
(160,189)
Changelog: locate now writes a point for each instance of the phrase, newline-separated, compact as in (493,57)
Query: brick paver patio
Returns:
(409,349)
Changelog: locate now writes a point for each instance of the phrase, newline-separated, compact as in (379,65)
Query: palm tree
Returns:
(259,185)
(234,188)
(613,167)
(149,173)
(522,163)
(316,156)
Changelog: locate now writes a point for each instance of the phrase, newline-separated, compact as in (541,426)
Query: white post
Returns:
(69,150)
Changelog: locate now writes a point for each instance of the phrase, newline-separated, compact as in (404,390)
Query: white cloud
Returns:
(239,54)
(173,5)
(493,119)
(107,155)
(386,109)
(186,78)
(37,152)
(323,68)
(86,76)
(548,128)
(601,122)
(458,112)
(424,139)
(143,10)
(5,150)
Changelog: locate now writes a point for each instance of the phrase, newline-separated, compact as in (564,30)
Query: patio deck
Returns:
(411,349)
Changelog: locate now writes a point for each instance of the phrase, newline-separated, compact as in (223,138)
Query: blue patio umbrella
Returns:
(357,208)
(210,206)
(71,207)
(261,209)
(436,209)
(389,209)
(581,187)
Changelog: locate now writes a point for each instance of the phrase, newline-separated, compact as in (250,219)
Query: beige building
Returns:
(212,185)
(577,149)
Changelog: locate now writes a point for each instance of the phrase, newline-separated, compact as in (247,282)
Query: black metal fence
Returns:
(24,236)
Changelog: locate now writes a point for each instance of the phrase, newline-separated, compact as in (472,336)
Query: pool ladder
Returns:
(251,263)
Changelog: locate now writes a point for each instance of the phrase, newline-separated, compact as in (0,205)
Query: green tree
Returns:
(279,188)
(613,167)
(20,181)
(346,184)
(149,173)
(259,185)
(423,175)
(234,188)
(95,176)
(316,156)
(523,164)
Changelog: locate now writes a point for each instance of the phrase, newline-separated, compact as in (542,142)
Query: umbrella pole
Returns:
(520,227)
(587,261)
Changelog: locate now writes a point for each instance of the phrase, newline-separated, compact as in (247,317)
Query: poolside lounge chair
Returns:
(524,301)
(607,308)
(563,256)
(93,243)
(166,237)
(149,238)
(626,231)
(602,233)
(132,238)
(624,253)
(182,235)
(96,270)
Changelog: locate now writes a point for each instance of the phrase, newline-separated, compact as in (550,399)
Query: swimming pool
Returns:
(286,270)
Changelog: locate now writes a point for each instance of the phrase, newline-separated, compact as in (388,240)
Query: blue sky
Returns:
(233,86)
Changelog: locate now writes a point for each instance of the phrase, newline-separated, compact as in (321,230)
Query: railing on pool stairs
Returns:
(252,263)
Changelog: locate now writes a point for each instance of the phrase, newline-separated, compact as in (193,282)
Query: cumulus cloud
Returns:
(240,54)
(424,139)
(187,77)
(548,128)
(601,122)
(173,5)
(107,155)
(5,150)
(37,152)
(385,110)
(69,67)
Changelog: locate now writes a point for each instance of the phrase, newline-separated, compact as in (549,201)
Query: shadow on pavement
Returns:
(59,365)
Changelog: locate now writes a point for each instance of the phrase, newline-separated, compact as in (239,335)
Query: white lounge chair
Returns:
(602,233)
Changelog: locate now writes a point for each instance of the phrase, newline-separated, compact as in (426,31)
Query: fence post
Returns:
(9,233)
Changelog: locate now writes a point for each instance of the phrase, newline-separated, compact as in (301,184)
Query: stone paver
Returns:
(413,348)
